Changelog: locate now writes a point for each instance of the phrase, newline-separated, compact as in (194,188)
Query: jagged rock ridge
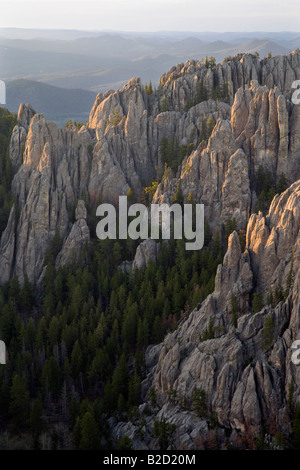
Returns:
(63,172)
(120,149)
(246,382)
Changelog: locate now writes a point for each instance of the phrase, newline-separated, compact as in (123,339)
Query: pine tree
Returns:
(130,196)
(130,323)
(73,408)
(296,428)
(19,404)
(109,403)
(7,322)
(212,62)
(90,434)
(282,184)
(152,397)
(178,196)
(201,94)
(204,133)
(100,366)
(77,433)
(14,289)
(4,397)
(120,379)
(36,421)
(210,126)
(51,376)
(163,431)
(257,302)
(199,402)
(125,443)
(76,360)
(148,88)
(164,105)
(117,117)
(157,330)
(268,332)
(26,295)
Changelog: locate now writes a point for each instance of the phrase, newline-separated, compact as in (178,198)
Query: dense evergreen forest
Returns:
(76,345)
(76,350)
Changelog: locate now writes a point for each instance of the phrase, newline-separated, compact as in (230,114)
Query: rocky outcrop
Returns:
(120,150)
(78,237)
(261,123)
(245,373)
(273,240)
(237,357)
(222,174)
(17,147)
(25,114)
(146,251)
(129,133)
(53,175)
(7,244)
(56,167)
(234,72)
(19,135)
(216,176)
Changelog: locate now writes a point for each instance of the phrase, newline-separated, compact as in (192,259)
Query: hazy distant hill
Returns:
(58,104)
(264,46)
(206,36)
(18,62)
(27,33)
(102,60)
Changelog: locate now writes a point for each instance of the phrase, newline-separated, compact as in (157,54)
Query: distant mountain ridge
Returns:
(58,104)
(103,60)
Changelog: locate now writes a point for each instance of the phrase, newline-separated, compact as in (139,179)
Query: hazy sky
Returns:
(152,15)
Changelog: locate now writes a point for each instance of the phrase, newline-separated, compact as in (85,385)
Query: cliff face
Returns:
(245,368)
(53,174)
(261,132)
(245,374)
(120,149)
(234,72)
